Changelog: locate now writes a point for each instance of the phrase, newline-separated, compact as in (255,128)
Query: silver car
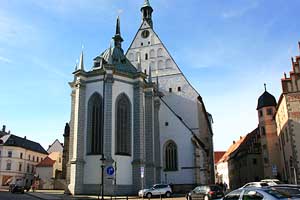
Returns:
(257,194)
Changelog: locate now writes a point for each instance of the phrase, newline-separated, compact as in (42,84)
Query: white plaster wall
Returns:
(222,169)
(92,168)
(124,167)
(92,164)
(45,174)
(177,132)
(169,76)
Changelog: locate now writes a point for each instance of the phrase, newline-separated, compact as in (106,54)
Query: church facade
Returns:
(136,112)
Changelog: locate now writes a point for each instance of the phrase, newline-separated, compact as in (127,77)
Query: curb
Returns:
(29,194)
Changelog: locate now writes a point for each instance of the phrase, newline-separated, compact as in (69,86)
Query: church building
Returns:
(136,113)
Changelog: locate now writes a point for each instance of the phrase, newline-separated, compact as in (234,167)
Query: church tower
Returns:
(179,96)
(266,108)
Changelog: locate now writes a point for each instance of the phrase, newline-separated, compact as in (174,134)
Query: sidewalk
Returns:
(59,194)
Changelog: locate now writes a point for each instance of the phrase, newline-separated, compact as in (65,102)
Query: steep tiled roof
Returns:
(47,162)
(17,141)
(231,149)
(218,155)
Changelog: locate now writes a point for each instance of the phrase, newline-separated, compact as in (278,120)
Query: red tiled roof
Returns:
(47,162)
(231,149)
(218,155)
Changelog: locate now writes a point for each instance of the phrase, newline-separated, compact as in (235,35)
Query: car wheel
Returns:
(168,194)
(149,195)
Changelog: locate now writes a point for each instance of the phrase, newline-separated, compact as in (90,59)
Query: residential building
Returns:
(288,123)
(245,163)
(49,171)
(222,165)
(18,158)
(217,157)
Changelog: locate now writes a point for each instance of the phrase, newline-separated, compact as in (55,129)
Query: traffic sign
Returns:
(110,170)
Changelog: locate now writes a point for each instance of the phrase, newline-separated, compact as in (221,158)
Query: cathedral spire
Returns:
(117,38)
(147,12)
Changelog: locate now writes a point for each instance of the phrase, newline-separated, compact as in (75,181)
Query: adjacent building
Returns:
(222,168)
(288,123)
(18,159)
(138,113)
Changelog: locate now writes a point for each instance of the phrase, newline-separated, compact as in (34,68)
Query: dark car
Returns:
(205,192)
(16,188)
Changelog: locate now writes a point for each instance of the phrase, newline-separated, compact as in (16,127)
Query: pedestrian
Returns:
(225,186)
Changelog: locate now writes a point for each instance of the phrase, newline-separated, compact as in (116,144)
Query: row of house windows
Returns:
(30,168)
(35,159)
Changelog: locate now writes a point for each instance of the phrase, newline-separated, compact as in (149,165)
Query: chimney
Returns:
(25,137)
(3,128)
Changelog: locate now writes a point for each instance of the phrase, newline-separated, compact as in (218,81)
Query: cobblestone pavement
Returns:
(5,195)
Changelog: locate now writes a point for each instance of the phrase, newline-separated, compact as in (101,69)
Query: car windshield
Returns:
(277,194)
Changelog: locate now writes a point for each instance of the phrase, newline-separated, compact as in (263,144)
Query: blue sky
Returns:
(227,49)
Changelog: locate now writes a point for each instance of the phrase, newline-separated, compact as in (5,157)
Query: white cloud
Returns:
(3,59)
(14,31)
(240,11)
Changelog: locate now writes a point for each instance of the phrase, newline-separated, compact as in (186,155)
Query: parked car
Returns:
(156,190)
(13,188)
(292,190)
(271,181)
(205,192)
(250,193)
(255,184)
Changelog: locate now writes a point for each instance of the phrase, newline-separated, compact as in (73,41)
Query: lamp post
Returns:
(102,159)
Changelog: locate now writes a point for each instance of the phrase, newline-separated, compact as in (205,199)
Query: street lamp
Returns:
(102,159)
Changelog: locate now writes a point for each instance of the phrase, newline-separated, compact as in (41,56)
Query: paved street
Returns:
(4,195)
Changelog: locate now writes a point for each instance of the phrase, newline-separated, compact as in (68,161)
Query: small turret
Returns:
(147,12)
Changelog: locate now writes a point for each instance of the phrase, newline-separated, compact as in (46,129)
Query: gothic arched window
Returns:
(159,52)
(94,129)
(152,53)
(123,125)
(170,156)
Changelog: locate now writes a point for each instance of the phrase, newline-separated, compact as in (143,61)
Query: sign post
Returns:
(142,178)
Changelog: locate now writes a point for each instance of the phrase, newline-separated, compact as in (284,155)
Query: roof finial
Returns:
(118,31)
(284,75)
(299,45)
(117,38)
(150,75)
(265,87)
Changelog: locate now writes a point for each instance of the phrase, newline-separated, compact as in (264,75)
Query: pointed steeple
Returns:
(147,12)
(150,75)
(110,58)
(117,38)
(81,65)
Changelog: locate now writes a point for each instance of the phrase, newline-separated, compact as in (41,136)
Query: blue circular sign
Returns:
(110,170)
